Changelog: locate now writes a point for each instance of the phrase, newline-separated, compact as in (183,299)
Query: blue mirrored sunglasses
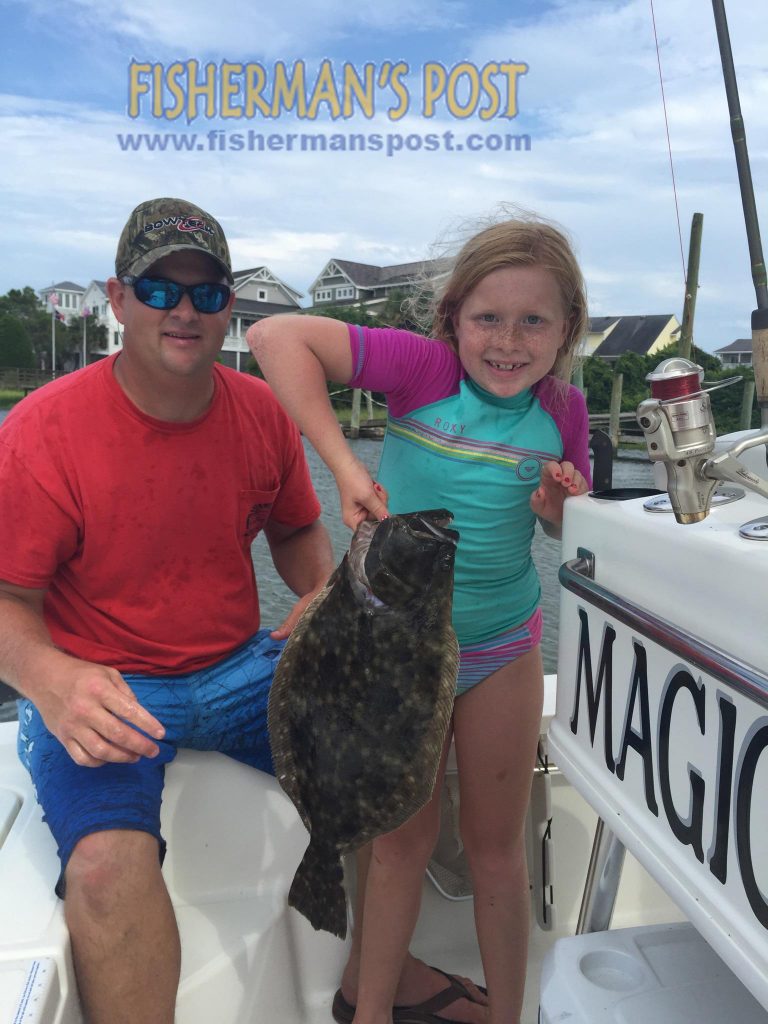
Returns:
(161,294)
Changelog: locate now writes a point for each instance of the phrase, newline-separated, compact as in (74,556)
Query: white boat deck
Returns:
(234,841)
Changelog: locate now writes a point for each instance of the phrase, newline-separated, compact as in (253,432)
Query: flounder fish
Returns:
(362,698)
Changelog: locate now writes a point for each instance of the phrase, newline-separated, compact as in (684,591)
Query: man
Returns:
(130,493)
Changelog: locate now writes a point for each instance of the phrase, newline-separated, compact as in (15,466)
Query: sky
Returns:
(454,84)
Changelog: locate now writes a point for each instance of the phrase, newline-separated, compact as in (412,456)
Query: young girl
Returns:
(483,422)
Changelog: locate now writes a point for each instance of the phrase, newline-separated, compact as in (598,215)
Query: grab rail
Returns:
(577,576)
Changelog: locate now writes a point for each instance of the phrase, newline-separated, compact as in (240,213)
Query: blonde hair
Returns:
(519,242)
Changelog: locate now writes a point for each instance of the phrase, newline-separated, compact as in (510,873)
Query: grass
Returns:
(344,414)
(9,398)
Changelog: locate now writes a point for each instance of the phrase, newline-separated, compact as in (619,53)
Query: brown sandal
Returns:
(422,1013)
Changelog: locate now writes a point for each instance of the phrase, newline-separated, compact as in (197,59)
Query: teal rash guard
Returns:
(450,444)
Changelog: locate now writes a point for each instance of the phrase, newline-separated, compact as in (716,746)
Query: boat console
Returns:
(662,704)
(662,725)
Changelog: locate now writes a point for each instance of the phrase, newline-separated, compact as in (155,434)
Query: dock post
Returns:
(747,401)
(613,423)
(354,426)
(691,286)
(602,468)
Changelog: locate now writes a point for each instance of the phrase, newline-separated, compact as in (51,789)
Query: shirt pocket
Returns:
(254,508)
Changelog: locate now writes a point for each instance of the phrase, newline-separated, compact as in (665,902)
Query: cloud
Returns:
(591,103)
(292,27)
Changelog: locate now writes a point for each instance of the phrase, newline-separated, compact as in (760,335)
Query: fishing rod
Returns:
(677,419)
(759,315)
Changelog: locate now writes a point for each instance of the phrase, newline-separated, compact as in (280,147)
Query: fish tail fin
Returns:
(317,890)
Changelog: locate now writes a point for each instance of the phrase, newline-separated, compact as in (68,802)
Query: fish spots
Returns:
(362,699)
(404,656)
(384,701)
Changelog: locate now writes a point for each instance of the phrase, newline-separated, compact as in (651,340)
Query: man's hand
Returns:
(95,715)
(285,629)
(89,708)
(559,480)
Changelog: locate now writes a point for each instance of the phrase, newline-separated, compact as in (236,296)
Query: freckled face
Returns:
(510,328)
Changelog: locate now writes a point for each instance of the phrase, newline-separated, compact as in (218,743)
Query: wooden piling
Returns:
(354,425)
(613,423)
(691,286)
(747,401)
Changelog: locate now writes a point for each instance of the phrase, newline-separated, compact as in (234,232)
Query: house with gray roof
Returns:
(738,353)
(258,293)
(97,303)
(610,337)
(69,297)
(346,283)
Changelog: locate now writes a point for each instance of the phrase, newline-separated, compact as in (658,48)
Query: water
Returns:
(276,600)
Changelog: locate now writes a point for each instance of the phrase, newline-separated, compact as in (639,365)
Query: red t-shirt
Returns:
(141,529)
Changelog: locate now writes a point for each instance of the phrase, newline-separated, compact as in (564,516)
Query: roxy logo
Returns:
(528,469)
(447,427)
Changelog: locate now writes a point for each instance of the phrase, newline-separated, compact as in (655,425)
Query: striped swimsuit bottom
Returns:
(478,661)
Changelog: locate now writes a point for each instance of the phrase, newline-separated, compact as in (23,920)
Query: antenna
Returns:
(759,315)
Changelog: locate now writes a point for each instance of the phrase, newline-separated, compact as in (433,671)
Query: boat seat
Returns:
(235,841)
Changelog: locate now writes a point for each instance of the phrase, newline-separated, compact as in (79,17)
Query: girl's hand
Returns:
(559,480)
(361,498)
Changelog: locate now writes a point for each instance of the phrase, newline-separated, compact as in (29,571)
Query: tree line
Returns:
(598,376)
(25,342)
(25,334)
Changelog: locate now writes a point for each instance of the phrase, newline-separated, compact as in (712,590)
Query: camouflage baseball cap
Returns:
(159,227)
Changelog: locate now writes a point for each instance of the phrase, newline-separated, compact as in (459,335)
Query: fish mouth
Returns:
(433,523)
(358,550)
(430,525)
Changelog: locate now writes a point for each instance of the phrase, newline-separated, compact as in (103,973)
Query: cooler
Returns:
(661,974)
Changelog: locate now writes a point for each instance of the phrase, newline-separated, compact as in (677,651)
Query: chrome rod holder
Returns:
(602,884)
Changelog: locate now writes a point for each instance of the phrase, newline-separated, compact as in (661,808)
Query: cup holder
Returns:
(612,970)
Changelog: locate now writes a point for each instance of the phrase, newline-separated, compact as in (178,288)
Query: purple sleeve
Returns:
(410,370)
(566,406)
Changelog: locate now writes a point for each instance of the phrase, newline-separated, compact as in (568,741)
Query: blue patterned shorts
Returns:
(222,707)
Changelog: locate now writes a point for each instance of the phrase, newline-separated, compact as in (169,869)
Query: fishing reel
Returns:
(679,431)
